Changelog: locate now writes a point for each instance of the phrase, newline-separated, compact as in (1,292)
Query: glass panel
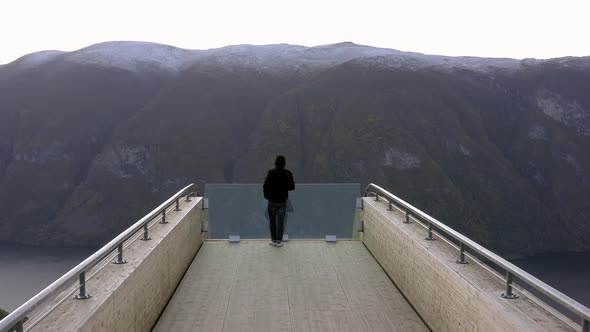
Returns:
(314,211)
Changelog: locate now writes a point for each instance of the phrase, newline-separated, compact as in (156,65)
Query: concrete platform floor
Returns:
(303,286)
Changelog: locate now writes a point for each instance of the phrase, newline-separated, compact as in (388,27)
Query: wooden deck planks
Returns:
(303,286)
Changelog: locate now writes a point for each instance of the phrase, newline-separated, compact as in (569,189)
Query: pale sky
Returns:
(494,28)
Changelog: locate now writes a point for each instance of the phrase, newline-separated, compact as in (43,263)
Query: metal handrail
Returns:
(511,270)
(16,318)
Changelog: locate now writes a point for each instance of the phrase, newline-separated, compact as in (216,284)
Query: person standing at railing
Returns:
(277,184)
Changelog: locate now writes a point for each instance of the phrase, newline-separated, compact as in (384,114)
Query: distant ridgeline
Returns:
(497,148)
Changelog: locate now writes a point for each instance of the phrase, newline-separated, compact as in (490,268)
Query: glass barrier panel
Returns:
(313,211)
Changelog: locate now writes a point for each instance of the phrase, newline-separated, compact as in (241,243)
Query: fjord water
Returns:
(25,271)
(567,272)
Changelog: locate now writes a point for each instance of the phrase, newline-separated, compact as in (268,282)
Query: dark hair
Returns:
(280,162)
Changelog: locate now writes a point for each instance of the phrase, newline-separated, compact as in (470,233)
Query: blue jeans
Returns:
(276,214)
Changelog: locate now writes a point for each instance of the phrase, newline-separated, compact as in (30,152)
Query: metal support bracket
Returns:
(205,203)
(509,294)
(462,259)
(407,220)
(82,295)
(234,239)
(331,238)
(361,227)
(430,237)
(145,237)
(285,238)
(163,221)
(120,259)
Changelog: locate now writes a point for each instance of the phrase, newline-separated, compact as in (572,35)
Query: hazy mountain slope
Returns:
(423,134)
(498,148)
(55,119)
(545,133)
(194,130)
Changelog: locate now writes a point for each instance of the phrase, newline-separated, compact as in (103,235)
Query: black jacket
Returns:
(277,184)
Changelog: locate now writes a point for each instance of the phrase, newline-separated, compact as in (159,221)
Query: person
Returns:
(277,184)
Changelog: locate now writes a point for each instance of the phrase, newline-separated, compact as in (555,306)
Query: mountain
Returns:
(91,140)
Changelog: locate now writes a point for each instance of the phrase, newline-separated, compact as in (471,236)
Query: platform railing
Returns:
(15,320)
(431,224)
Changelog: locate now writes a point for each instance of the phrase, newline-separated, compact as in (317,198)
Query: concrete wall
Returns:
(131,297)
(448,296)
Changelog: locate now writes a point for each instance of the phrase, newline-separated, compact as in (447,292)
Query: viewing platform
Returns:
(303,286)
(353,261)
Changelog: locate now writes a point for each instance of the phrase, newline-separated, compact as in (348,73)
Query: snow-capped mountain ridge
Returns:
(37,58)
(133,56)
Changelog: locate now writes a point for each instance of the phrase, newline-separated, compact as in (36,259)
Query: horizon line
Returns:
(296,45)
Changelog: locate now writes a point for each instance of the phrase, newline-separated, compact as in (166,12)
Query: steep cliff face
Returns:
(497,148)
(466,147)
(55,121)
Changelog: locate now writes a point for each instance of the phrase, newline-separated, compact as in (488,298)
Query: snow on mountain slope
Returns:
(334,54)
(285,57)
(474,63)
(133,56)
(414,61)
(576,63)
(281,57)
(37,58)
(260,57)
(391,61)
(278,58)
(342,52)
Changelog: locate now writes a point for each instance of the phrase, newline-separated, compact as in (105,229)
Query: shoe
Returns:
(279,244)
(273,243)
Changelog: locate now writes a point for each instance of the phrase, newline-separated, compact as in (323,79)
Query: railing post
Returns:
(407,221)
(430,237)
(120,259)
(177,205)
(376,197)
(508,294)
(82,295)
(462,259)
(390,208)
(19,326)
(163,217)
(188,197)
(585,325)
(145,237)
